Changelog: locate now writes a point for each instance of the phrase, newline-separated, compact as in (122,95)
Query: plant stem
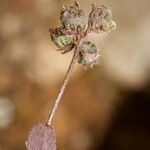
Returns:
(62,89)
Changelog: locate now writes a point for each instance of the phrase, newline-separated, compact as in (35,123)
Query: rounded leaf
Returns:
(41,138)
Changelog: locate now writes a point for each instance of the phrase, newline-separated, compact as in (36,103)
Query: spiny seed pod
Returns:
(89,54)
(72,18)
(100,19)
(64,42)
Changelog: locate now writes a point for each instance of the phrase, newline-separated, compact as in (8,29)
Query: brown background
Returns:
(107,108)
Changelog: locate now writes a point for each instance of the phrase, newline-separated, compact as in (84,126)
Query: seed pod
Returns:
(72,18)
(89,55)
(100,19)
(63,41)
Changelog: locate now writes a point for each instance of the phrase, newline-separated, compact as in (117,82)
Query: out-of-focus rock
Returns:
(6,112)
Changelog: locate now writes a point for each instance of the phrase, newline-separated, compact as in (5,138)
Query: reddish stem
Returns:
(62,89)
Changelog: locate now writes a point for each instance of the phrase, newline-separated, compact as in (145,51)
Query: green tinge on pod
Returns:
(60,39)
(109,26)
(65,43)
(64,40)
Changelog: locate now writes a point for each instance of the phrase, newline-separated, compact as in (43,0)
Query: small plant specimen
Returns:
(71,35)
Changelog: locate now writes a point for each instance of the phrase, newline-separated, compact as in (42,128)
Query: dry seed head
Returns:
(89,55)
(72,17)
(100,19)
(74,29)
(63,41)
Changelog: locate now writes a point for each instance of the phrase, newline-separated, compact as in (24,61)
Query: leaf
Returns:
(41,138)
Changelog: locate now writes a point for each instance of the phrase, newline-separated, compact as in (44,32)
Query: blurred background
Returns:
(107,108)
